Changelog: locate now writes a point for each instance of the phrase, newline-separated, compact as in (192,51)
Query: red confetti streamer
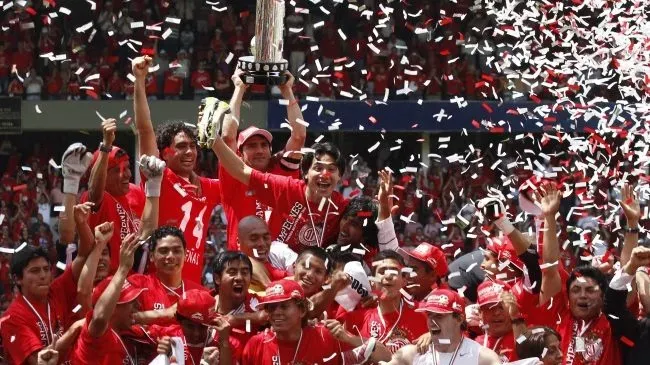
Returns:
(92,94)
(497,130)
(550,120)
(627,341)
(30,10)
(363,214)
(476,124)
(487,107)
(19,187)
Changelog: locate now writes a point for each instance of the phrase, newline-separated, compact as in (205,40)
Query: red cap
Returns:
(128,293)
(115,157)
(282,290)
(198,306)
(433,256)
(252,131)
(443,301)
(505,251)
(489,292)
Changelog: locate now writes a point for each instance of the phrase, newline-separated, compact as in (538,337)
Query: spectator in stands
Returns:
(54,85)
(15,88)
(187,38)
(201,79)
(115,85)
(5,68)
(22,58)
(173,86)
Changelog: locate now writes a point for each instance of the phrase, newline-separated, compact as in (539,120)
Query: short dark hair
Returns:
(535,342)
(589,272)
(387,254)
(22,258)
(367,205)
(229,256)
(325,148)
(166,132)
(162,232)
(318,252)
(339,257)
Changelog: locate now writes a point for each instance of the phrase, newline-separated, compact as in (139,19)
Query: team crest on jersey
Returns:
(396,341)
(309,235)
(375,327)
(594,348)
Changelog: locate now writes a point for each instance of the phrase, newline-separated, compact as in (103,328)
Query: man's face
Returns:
(169,255)
(310,272)
(350,232)
(553,351)
(256,241)
(235,280)
(103,265)
(118,179)
(181,155)
(497,319)
(420,281)
(123,314)
(194,333)
(285,316)
(585,298)
(443,326)
(322,176)
(256,152)
(36,279)
(390,279)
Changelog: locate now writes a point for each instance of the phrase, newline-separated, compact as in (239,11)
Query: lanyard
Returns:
(47,328)
(311,218)
(295,354)
(584,328)
(496,344)
(385,336)
(173,291)
(124,347)
(453,357)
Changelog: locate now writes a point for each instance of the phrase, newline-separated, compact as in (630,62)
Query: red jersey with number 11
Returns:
(180,206)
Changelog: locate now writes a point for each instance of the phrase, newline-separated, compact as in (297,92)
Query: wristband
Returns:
(105,148)
(504,225)
(632,230)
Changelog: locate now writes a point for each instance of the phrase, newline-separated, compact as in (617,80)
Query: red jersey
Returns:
(316,346)
(504,346)
(239,332)
(181,207)
(291,221)
(395,330)
(239,200)
(124,211)
(194,353)
(589,343)
(159,296)
(28,327)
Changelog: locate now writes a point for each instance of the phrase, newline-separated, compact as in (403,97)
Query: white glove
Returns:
(74,163)
(152,168)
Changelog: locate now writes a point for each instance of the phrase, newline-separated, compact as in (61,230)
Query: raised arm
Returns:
(103,234)
(632,210)
(231,162)
(97,184)
(550,198)
(86,244)
(294,115)
(152,168)
(108,300)
(146,134)
(231,121)
(386,236)
(339,280)
(74,163)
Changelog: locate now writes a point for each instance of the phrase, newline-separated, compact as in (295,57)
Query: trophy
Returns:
(266,65)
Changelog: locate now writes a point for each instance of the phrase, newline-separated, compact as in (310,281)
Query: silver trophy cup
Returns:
(266,65)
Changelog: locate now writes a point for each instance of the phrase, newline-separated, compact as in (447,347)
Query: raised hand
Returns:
(423,343)
(81,212)
(109,126)
(223,327)
(640,257)
(630,205)
(74,163)
(339,280)
(336,329)
(129,244)
(549,197)
(237,81)
(140,66)
(385,193)
(510,304)
(152,168)
(103,233)
(287,87)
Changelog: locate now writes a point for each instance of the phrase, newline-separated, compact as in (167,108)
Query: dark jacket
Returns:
(633,334)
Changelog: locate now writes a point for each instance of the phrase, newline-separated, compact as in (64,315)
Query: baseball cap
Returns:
(489,292)
(250,132)
(443,301)
(431,255)
(128,293)
(505,251)
(197,306)
(115,157)
(280,291)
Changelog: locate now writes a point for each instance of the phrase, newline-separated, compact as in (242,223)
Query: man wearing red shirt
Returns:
(187,198)
(253,146)
(101,339)
(393,322)
(44,307)
(173,86)
(305,212)
(54,85)
(115,199)
(23,59)
(290,340)
(15,88)
(200,80)
(5,68)
(115,85)
(429,266)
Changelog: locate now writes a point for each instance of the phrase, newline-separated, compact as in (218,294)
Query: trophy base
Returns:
(263,73)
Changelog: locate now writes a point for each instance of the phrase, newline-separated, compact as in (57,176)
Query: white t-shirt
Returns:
(468,354)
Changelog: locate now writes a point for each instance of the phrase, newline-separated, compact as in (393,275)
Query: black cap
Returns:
(21,258)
